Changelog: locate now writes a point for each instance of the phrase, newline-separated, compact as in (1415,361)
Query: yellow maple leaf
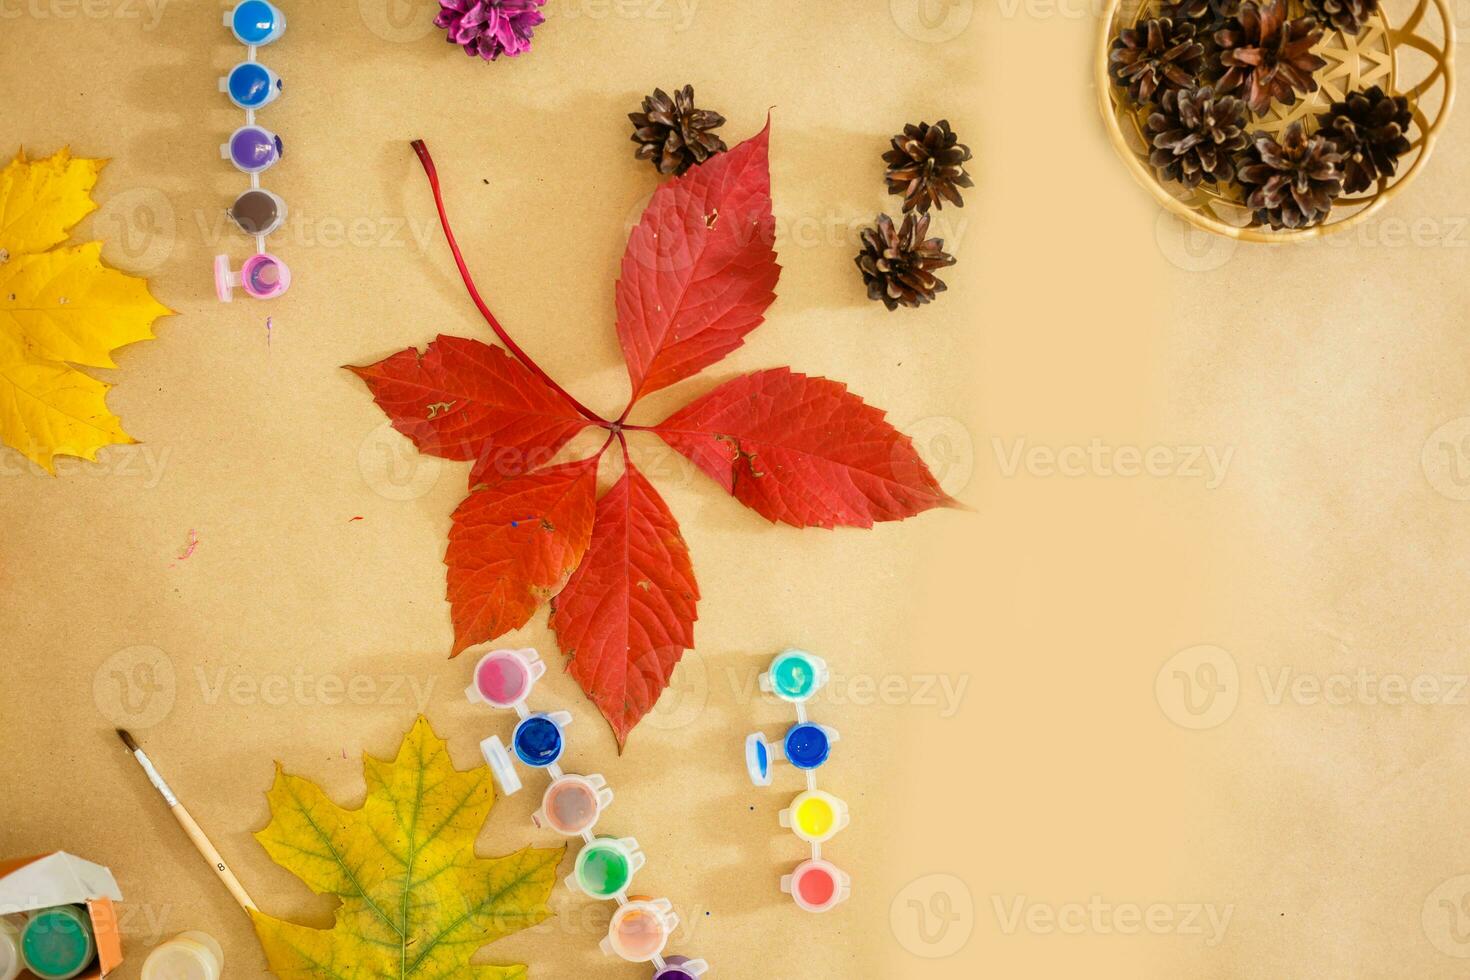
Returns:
(60,307)
(416,901)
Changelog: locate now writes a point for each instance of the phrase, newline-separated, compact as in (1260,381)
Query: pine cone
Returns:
(898,265)
(1291,184)
(490,28)
(1348,16)
(1208,17)
(1370,130)
(1269,55)
(1201,11)
(1196,136)
(1156,54)
(673,133)
(926,166)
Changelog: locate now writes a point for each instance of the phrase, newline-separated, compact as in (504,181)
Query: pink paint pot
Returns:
(572,804)
(817,885)
(640,931)
(504,678)
(262,276)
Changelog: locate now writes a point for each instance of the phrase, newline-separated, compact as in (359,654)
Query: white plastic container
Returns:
(572,804)
(816,817)
(189,956)
(640,931)
(9,949)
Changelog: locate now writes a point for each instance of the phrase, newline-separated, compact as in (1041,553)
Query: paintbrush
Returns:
(201,843)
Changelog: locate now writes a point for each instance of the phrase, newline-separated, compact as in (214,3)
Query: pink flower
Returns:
(490,28)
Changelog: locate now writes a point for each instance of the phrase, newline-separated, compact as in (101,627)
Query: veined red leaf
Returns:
(513,545)
(465,400)
(700,268)
(627,615)
(804,451)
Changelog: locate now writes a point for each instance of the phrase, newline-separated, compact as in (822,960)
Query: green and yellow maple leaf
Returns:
(60,307)
(416,901)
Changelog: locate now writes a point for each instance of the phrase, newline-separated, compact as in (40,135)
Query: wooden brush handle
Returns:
(204,847)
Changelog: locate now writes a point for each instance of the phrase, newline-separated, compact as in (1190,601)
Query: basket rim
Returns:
(1145,175)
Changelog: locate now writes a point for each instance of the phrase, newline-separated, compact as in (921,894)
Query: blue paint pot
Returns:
(256,22)
(251,85)
(808,745)
(538,741)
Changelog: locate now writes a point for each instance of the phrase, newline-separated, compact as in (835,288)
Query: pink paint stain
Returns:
(191,545)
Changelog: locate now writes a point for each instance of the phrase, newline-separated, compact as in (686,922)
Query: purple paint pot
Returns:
(682,968)
(253,149)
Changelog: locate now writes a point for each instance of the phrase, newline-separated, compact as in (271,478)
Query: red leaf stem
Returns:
(422,150)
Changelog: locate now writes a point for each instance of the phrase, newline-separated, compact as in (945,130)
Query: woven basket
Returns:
(1408,48)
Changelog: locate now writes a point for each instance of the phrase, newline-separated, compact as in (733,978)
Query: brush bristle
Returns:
(127,740)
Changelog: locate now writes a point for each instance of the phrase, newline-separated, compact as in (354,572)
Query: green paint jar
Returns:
(795,676)
(606,866)
(57,943)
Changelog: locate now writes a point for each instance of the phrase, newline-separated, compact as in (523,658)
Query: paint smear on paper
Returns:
(191,545)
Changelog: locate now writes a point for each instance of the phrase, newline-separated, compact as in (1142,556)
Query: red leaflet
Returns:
(462,399)
(513,545)
(803,451)
(698,275)
(700,269)
(627,615)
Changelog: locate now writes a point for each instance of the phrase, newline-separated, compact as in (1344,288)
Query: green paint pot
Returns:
(57,943)
(606,866)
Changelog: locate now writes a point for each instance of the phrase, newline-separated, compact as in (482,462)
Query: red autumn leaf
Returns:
(627,615)
(700,269)
(803,451)
(698,275)
(513,545)
(462,399)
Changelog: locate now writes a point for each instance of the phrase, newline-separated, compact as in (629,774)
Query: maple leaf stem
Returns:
(422,149)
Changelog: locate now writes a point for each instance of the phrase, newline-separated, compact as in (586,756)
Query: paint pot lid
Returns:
(501,764)
(758,759)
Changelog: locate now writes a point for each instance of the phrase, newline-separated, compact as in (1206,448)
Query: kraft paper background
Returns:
(1182,697)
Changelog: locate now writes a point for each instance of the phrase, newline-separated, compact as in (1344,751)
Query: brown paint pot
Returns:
(258,212)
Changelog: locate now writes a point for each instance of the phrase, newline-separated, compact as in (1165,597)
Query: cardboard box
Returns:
(58,878)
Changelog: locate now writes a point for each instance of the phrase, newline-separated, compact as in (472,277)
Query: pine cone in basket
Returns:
(1196,136)
(898,264)
(1268,54)
(1348,16)
(1156,54)
(673,133)
(1208,17)
(927,166)
(1370,130)
(1291,183)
